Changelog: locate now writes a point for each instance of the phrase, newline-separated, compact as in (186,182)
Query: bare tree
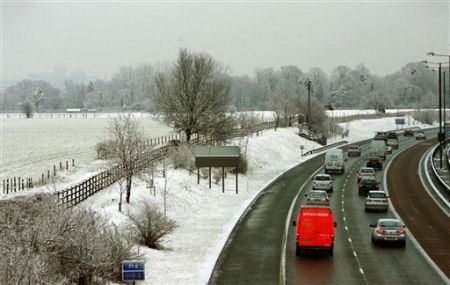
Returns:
(193,90)
(38,95)
(128,146)
(284,107)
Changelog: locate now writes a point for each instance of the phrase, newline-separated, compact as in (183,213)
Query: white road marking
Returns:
(346,228)
(354,254)
(288,219)
(349,240)
(361,270)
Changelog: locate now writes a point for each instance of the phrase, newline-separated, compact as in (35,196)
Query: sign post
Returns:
(399,121)
(133,270)
(302,147)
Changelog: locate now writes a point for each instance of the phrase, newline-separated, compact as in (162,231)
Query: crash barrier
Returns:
(325,147)
(433,167)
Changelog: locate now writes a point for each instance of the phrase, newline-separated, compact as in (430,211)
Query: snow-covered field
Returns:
(30,147)
(207,216)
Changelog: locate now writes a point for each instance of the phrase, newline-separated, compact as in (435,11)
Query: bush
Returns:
(183,157)
(149,225)
(243,165)
(217,175)
(50,244)
(104,149)
(426,116)
(248,121)
(27,109)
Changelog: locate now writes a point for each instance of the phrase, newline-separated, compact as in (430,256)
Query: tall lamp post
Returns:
(448,56)
(308,84)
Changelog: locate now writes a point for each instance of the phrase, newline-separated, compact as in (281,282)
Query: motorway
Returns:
(258,251)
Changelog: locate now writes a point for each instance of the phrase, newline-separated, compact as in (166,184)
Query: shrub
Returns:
(426,116)
(104,149)
(149,225)
(27,109)
(217,175)
(243,165)
(50,244)
(183,157)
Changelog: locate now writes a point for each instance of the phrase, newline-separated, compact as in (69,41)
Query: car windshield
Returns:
(333,157)
(369,181)
(377,195)
(392,141)
(317,194)
(374,158)
(366,170)
(354,147)
(390,224)
(322,178)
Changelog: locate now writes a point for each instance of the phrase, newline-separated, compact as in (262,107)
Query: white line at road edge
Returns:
(286,232)
(424,163)
(408,233)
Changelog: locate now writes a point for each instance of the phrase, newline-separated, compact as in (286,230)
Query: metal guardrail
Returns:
(325,147)
(436,174)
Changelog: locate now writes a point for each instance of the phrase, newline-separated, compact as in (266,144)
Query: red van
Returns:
(315,229)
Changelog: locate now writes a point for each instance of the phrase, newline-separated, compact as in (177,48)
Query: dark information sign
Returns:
(133,270)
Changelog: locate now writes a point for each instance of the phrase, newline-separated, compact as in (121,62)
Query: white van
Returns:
(378,148)
(334,161)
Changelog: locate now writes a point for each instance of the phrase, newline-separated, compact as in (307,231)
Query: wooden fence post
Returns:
(48,174)
(60,166)
(18,183)
(67,165)
(54,170)
(73,162)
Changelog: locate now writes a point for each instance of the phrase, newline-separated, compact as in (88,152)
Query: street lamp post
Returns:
(308,84)
(448,56)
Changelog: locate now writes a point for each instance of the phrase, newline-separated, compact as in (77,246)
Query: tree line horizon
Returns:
(132,88)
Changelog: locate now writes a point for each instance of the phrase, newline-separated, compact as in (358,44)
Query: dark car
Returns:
(408,133)
(392,135)
(367,184)
(375,162)
(393,143)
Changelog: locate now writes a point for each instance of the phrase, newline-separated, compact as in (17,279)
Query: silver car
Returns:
(317,197)
(389,231)
(376,200)
(323,182)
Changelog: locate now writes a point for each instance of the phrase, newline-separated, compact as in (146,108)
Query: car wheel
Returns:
(330,252)
(403,244)
(298,251)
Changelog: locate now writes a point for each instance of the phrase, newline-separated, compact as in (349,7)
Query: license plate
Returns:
(390,238)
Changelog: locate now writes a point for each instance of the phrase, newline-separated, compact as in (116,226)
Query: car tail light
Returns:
(401,231)
(328,200)
(380,231)
(369,200)
(309,199)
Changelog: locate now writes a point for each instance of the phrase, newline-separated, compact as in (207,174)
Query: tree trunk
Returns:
(188,135)
(128,188)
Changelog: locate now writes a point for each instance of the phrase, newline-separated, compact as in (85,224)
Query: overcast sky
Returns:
(98,38)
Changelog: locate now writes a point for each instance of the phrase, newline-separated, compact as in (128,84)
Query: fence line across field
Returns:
(80,192)
(87,188)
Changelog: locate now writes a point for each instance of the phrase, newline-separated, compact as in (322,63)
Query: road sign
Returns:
(399,121)
(133,270)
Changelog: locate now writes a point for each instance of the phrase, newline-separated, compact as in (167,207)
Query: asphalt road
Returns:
(254,253)
(430,225)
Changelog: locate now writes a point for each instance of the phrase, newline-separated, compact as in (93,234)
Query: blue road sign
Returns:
(399,121)
(133,270)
